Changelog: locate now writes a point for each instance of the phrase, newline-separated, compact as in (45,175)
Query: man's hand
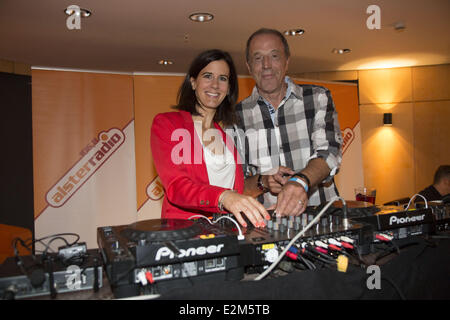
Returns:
(292,200)
(276,181)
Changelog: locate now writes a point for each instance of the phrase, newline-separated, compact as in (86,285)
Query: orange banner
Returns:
(82,128)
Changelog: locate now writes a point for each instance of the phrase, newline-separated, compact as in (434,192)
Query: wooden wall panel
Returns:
(420,132)
(385,86)
(432,136)
(388,152)
(6,66)
(431,83)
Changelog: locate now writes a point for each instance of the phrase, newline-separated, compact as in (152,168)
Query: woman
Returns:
(198,166)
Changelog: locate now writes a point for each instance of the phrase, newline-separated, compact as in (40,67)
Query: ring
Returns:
(300,202)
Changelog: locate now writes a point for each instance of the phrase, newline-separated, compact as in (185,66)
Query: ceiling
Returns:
(133,35)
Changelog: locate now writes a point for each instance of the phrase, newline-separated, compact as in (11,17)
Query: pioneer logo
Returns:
(409,219)
(165,252)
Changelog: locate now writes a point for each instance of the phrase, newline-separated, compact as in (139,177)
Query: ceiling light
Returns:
(84,13)
(165,62)
(341,51)
(294,32)
(201,17)
(399,26)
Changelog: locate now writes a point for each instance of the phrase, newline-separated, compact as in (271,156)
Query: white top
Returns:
(220,165)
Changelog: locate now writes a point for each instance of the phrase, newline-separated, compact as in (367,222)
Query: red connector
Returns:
(381,238)
(321,250)
(333,247)
(347,245)
(149,277)
(291,255)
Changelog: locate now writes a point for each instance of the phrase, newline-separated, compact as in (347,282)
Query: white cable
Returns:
(413,197)
(347,239)
(200,216)
(240,236)
(301,233)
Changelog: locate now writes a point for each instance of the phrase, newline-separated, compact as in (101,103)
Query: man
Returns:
(440,187)
(293,141)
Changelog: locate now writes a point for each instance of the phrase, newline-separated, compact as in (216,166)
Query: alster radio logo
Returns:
(347,136)
(97,154)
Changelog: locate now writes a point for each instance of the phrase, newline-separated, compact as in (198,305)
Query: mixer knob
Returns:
(304,218)
(310,217)
(336,219)
(324,222)
(276,224)
(291,222)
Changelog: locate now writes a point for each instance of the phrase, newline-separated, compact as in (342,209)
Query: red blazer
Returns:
(186,184)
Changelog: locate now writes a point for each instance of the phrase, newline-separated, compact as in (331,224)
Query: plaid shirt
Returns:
(305,126)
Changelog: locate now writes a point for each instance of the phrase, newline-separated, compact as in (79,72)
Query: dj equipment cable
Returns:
(36,271)
(301,233)
(240,236)
(413,197)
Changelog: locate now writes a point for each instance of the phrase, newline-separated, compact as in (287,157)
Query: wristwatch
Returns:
(260,184)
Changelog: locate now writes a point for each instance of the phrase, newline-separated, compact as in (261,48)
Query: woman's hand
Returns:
(239,204)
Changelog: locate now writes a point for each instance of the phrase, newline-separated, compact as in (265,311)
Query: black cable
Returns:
(37,276)
(307,262)
(393,284)
(300,266)
(317,253)
(47,246)
(56,237)
(325,260)
(51,278)
(19,261)
(96,278)
(358,258)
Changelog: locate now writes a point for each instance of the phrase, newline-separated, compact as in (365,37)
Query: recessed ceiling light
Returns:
(201,17)
(399,26)
(84,13)
(294,32)
(165,62)
(341,51)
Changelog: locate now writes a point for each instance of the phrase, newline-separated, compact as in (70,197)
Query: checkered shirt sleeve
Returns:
(305,127)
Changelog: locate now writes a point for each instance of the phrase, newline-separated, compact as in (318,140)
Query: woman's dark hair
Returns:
(187,99)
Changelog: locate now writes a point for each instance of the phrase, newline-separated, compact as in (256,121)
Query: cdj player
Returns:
(152,256)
